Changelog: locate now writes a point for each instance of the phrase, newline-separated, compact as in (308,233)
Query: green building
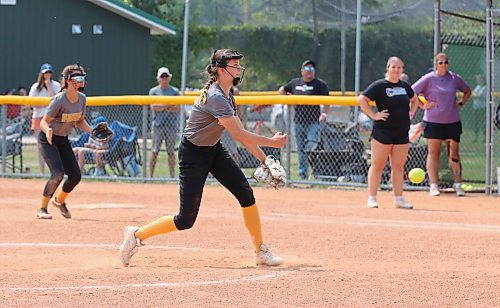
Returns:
(111,40)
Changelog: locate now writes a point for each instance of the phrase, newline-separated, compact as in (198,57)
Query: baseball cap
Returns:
(163,70)
(46,68)
(308,62)
(98,120)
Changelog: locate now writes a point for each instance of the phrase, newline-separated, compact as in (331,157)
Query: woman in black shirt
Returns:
(389,138)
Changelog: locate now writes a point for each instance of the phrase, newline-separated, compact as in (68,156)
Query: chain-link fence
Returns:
(495,95)
(130,152)
(335,151)
(340,155)
(464,41)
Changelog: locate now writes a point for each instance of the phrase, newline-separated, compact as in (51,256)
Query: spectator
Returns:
(479,108)
(25,110)
(307,117)
(95,148)
(404,77)
(165,124)
(13,111)
(21,91)
(389,138)
(45,87)
(442,119)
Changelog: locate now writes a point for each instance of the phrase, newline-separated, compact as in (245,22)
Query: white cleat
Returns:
(460,191)
(43,214)
(265,257)
(372,203)
(403,204)
(129,245)
(434,191)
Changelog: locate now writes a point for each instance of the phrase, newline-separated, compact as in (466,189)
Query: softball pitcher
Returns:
(201,153)
(66,109)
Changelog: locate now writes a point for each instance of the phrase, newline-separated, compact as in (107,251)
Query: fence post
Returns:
(288,147)
(498,181)
(145,114)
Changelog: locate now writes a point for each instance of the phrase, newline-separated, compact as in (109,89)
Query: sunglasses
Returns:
(48,72)
(78,78)
(443,62)
(309,68)
(164,76)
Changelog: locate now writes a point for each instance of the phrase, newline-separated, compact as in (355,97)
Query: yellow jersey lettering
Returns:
(71,117)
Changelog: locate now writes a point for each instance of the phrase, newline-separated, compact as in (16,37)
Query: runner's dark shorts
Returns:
(390,136)
(443,131)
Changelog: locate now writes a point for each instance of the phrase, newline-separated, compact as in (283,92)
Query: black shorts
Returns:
(443,131)
(390,136)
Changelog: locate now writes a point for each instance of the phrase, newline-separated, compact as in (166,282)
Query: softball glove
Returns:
(102,132)
(271,172)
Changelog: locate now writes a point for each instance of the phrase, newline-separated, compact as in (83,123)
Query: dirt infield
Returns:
(338,253)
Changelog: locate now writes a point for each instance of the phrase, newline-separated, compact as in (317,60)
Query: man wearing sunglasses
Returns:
(307,117)
(165,124)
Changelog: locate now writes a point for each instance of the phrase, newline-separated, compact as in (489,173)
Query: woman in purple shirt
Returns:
(442,118)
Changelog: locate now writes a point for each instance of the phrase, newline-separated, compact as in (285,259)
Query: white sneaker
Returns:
(403,204)
(434,191)
(129,245)
(372,203)
(265,257)
(459,191)
(43,214)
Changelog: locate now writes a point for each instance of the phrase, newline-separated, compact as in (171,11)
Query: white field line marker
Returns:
(316,219)
(384,222)
(151,285)
(63,245)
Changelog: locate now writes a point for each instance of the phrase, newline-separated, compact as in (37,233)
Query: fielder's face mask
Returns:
(78,78)
(232,54)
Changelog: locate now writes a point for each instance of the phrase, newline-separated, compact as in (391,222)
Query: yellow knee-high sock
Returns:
(252,223)
(162,225)
(45,202)
(61,197)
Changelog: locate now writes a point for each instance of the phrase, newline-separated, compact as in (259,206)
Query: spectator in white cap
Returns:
(165,125)
(45,86)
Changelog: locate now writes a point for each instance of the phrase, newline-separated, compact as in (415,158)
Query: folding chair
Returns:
(340,153)
(124,156)
(13,146)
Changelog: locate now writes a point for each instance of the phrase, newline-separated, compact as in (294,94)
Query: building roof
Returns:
(155,24)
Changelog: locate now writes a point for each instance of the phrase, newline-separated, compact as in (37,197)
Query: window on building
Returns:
(97,29)
(76,29)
